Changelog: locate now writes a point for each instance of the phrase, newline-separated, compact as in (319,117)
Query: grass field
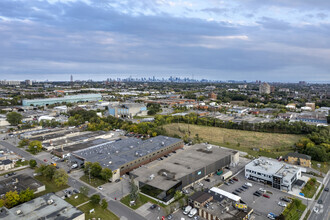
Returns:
(142,200)
(50,186)
(293,212)
(269,144)
(95,182)
(98,213)
(75,202)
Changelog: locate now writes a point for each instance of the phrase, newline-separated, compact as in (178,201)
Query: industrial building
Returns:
(19,183)
(49,206)
(277,174)
(160,179)
(65,99)
(127,110)
(124,155)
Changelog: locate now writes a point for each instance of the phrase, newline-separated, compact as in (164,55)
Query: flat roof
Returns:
(114,154)
(179,165)
(18,183)
(84,145)
(39,208)
(226,194)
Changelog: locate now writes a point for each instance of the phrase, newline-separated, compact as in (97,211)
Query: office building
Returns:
(298,159)
(65,99)
(264,88)
(272,172)
(127,110)
(160,179)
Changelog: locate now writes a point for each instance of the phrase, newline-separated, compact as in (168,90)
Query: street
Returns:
(324,208)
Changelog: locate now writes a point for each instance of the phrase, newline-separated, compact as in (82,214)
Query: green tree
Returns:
(84,190)
(11,199)
(177,194)
(96,169)
(23,143)
(2,203)
(104,204)
(35,147)
(26,195)
(60,177)
(106,174)
(49,172)
(95,199)
(14,118)
(134,191)
(33,163)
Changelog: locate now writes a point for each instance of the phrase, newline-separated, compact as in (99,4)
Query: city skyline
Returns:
(274,41)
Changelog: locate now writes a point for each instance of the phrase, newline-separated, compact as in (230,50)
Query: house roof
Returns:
(200,197)
(298,155)
(5,162)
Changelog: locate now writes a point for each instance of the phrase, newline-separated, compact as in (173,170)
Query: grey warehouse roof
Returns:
(42,208)
(114,154)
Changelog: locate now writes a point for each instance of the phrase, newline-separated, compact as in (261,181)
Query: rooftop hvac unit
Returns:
(110,162)
(18,212)
(152,176)
(131,146)
(163,143)
(117,151)
(50,201)
(164,174)
(209,147)
(150,140)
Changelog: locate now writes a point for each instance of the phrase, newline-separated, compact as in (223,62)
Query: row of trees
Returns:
(59,176)
(13,198)
(95,170)
(34,147)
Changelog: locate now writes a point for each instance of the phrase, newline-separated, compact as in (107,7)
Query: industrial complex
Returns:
(160,179)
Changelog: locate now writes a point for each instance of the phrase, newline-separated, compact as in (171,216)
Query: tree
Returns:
(23,143)
(2,203)
(11,199)
(95,199)
(49,172)
(14,118)
(134,191)
(106,173)
(104,204)
(60,177)
(35,147)
(26,195)
(84,190)
(96,169)
(33,163)
(177,194)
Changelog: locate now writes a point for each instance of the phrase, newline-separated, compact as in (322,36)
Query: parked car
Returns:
(256,193)
(192,213)
(262,190)
(117,180)
(326,189)
(207,180)
(242,189)
(231,181)
(170,216)
(45,160)
(248,184)
(187,210)
(76,191)
(226,183)
(100,187)
(237,190)
(245,187)
(266,196)
(282,204)
(316,210)
(235,178)
(271,215)
(153,206)
(285,199)
(235,193)
(319,201)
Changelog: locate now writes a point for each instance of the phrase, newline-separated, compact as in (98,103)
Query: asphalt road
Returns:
(324,213)
(116,207)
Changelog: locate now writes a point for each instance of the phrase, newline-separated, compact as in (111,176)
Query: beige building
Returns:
(264,88)
(311,105)
(6,164)
(298,159)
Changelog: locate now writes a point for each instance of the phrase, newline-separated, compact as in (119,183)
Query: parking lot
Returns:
(261,205)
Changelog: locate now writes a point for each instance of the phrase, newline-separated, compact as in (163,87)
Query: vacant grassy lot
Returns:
(269,144)
(98,213)
(95,182)
(75,202)
(141,201)
(294,211)
(50,186)
(310,188)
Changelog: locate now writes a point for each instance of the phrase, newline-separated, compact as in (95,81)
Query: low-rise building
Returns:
(160,179)
(199,199)
(20,182)
(127,110)
(298,159)
(49,206)
(6,164)
(277,174)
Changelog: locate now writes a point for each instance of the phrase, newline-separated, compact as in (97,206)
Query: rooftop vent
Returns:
(131,146)
(152,176)
(110,162)
(18,212)
(50,201)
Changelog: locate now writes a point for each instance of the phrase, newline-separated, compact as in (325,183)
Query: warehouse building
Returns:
(19,183)
(160,179)
(48,206)
(127,110)
(124,155)
(65,99)
(279,175)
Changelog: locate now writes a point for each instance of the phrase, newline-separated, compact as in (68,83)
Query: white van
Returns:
(192,213)
(248,184)
(187,210)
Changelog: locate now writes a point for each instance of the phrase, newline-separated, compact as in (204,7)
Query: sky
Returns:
(268,40)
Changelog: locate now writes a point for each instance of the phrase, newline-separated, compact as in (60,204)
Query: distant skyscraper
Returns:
(71,79)
(264,88)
